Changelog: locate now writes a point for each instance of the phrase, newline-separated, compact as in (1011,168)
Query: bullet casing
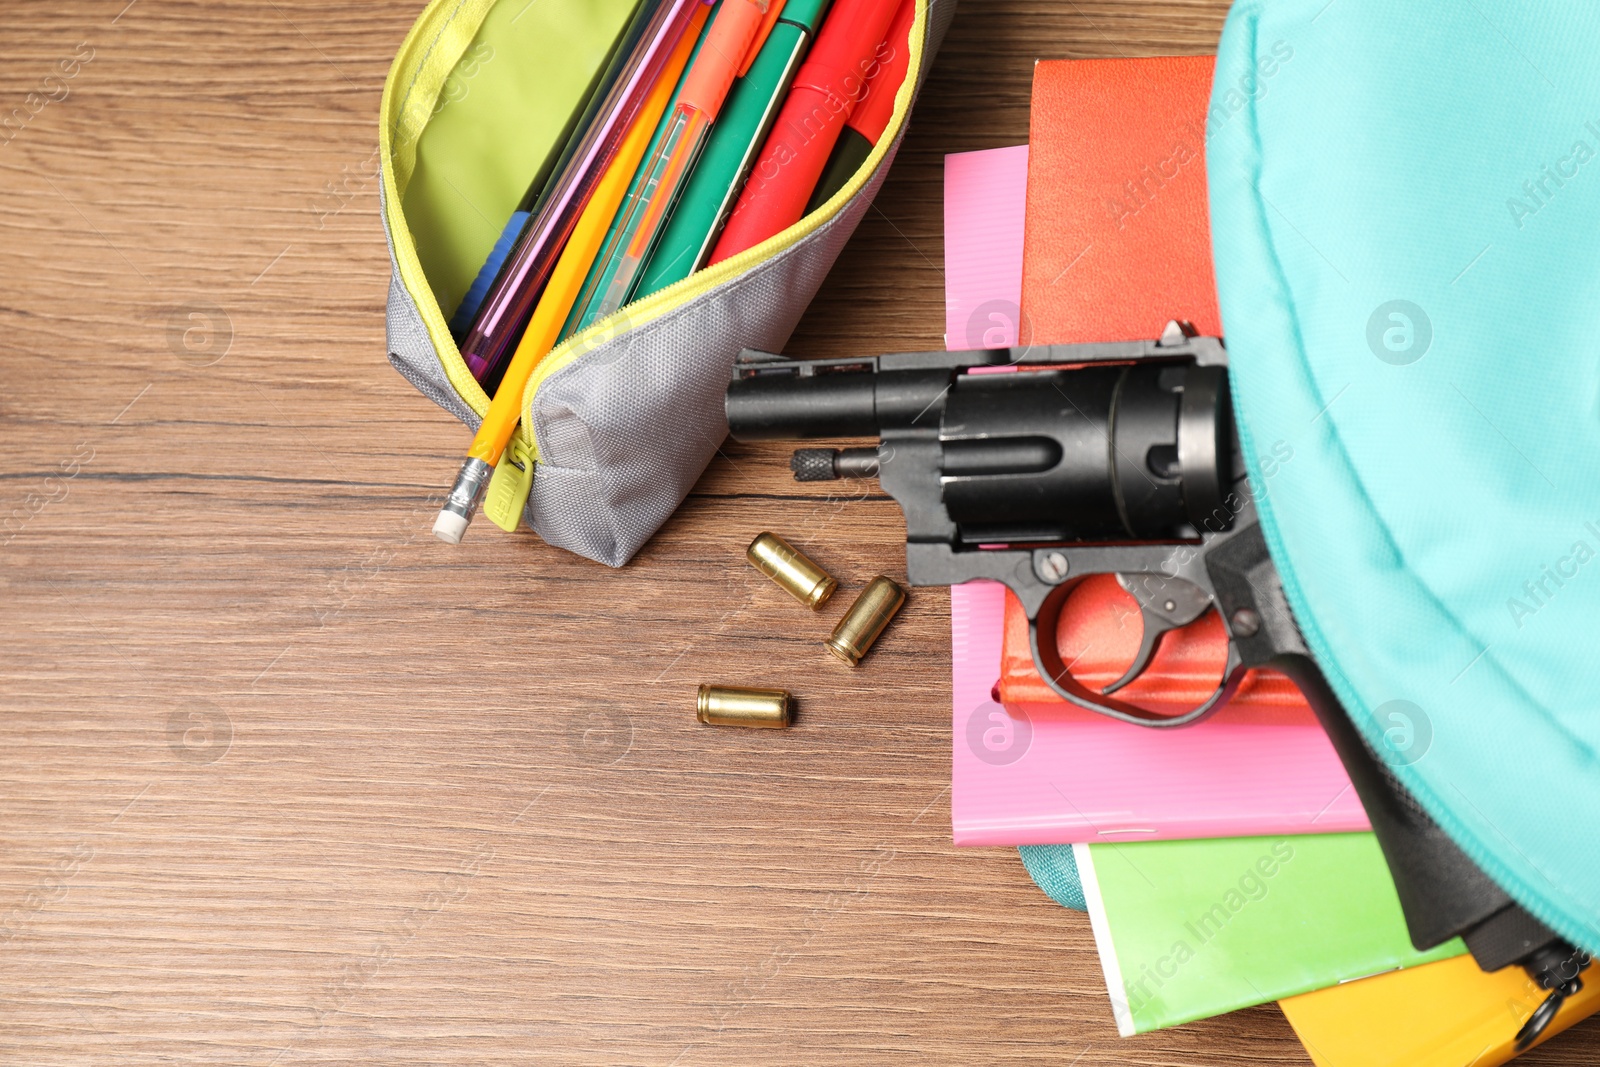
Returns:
(792,569)
(729,706)
(867,618)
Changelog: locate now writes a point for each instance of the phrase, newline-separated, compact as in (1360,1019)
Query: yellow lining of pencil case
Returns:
(422,66)
(436,43)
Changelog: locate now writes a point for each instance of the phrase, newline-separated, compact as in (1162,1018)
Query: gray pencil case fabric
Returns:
(622,418)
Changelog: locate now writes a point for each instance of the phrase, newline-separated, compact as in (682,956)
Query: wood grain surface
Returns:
(285,780)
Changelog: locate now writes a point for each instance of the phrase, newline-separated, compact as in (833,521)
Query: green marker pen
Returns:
(735,141)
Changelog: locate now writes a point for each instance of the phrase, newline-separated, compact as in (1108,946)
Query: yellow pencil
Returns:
(560,293)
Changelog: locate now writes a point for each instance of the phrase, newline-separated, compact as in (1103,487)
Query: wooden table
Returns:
(288,781)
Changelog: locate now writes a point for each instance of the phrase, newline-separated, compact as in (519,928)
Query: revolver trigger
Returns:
(1165,604)
(1154,629)
(1042,634)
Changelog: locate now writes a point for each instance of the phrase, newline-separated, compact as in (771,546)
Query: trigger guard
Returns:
(1042,631)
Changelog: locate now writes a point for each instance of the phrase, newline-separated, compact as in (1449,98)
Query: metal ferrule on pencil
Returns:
(462,503)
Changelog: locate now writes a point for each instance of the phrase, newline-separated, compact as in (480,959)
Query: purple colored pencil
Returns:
(492,338)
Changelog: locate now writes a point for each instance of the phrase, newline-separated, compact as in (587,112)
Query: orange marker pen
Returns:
(735,37)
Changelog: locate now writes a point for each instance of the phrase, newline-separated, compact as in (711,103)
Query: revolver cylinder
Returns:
(1079,453)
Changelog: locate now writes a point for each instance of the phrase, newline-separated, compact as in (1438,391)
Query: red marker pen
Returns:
(871,116)
(831,82)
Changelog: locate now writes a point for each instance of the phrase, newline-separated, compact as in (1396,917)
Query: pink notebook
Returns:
(1069,780)
(985,194)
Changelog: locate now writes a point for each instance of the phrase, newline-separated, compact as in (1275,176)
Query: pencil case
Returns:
(620,419)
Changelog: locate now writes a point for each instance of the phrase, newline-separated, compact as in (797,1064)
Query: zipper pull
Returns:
(509,487)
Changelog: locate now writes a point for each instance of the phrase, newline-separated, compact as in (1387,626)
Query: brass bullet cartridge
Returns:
(792,569)
(727,706)
(867,618)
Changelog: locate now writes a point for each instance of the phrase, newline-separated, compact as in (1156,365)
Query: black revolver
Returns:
(1039,466)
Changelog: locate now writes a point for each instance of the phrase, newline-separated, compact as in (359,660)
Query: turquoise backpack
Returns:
(1406,227)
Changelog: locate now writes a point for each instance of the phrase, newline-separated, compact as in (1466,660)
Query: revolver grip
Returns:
(1442,892)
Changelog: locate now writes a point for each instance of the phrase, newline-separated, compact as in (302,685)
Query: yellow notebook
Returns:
(1445,1014)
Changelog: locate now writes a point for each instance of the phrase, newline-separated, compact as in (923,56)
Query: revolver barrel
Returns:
(832,401)
(1109,450)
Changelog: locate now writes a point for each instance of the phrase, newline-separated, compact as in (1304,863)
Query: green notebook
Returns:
(1191,929)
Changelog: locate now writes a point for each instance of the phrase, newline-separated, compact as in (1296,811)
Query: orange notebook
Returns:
(1118,240)
(1117,243)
